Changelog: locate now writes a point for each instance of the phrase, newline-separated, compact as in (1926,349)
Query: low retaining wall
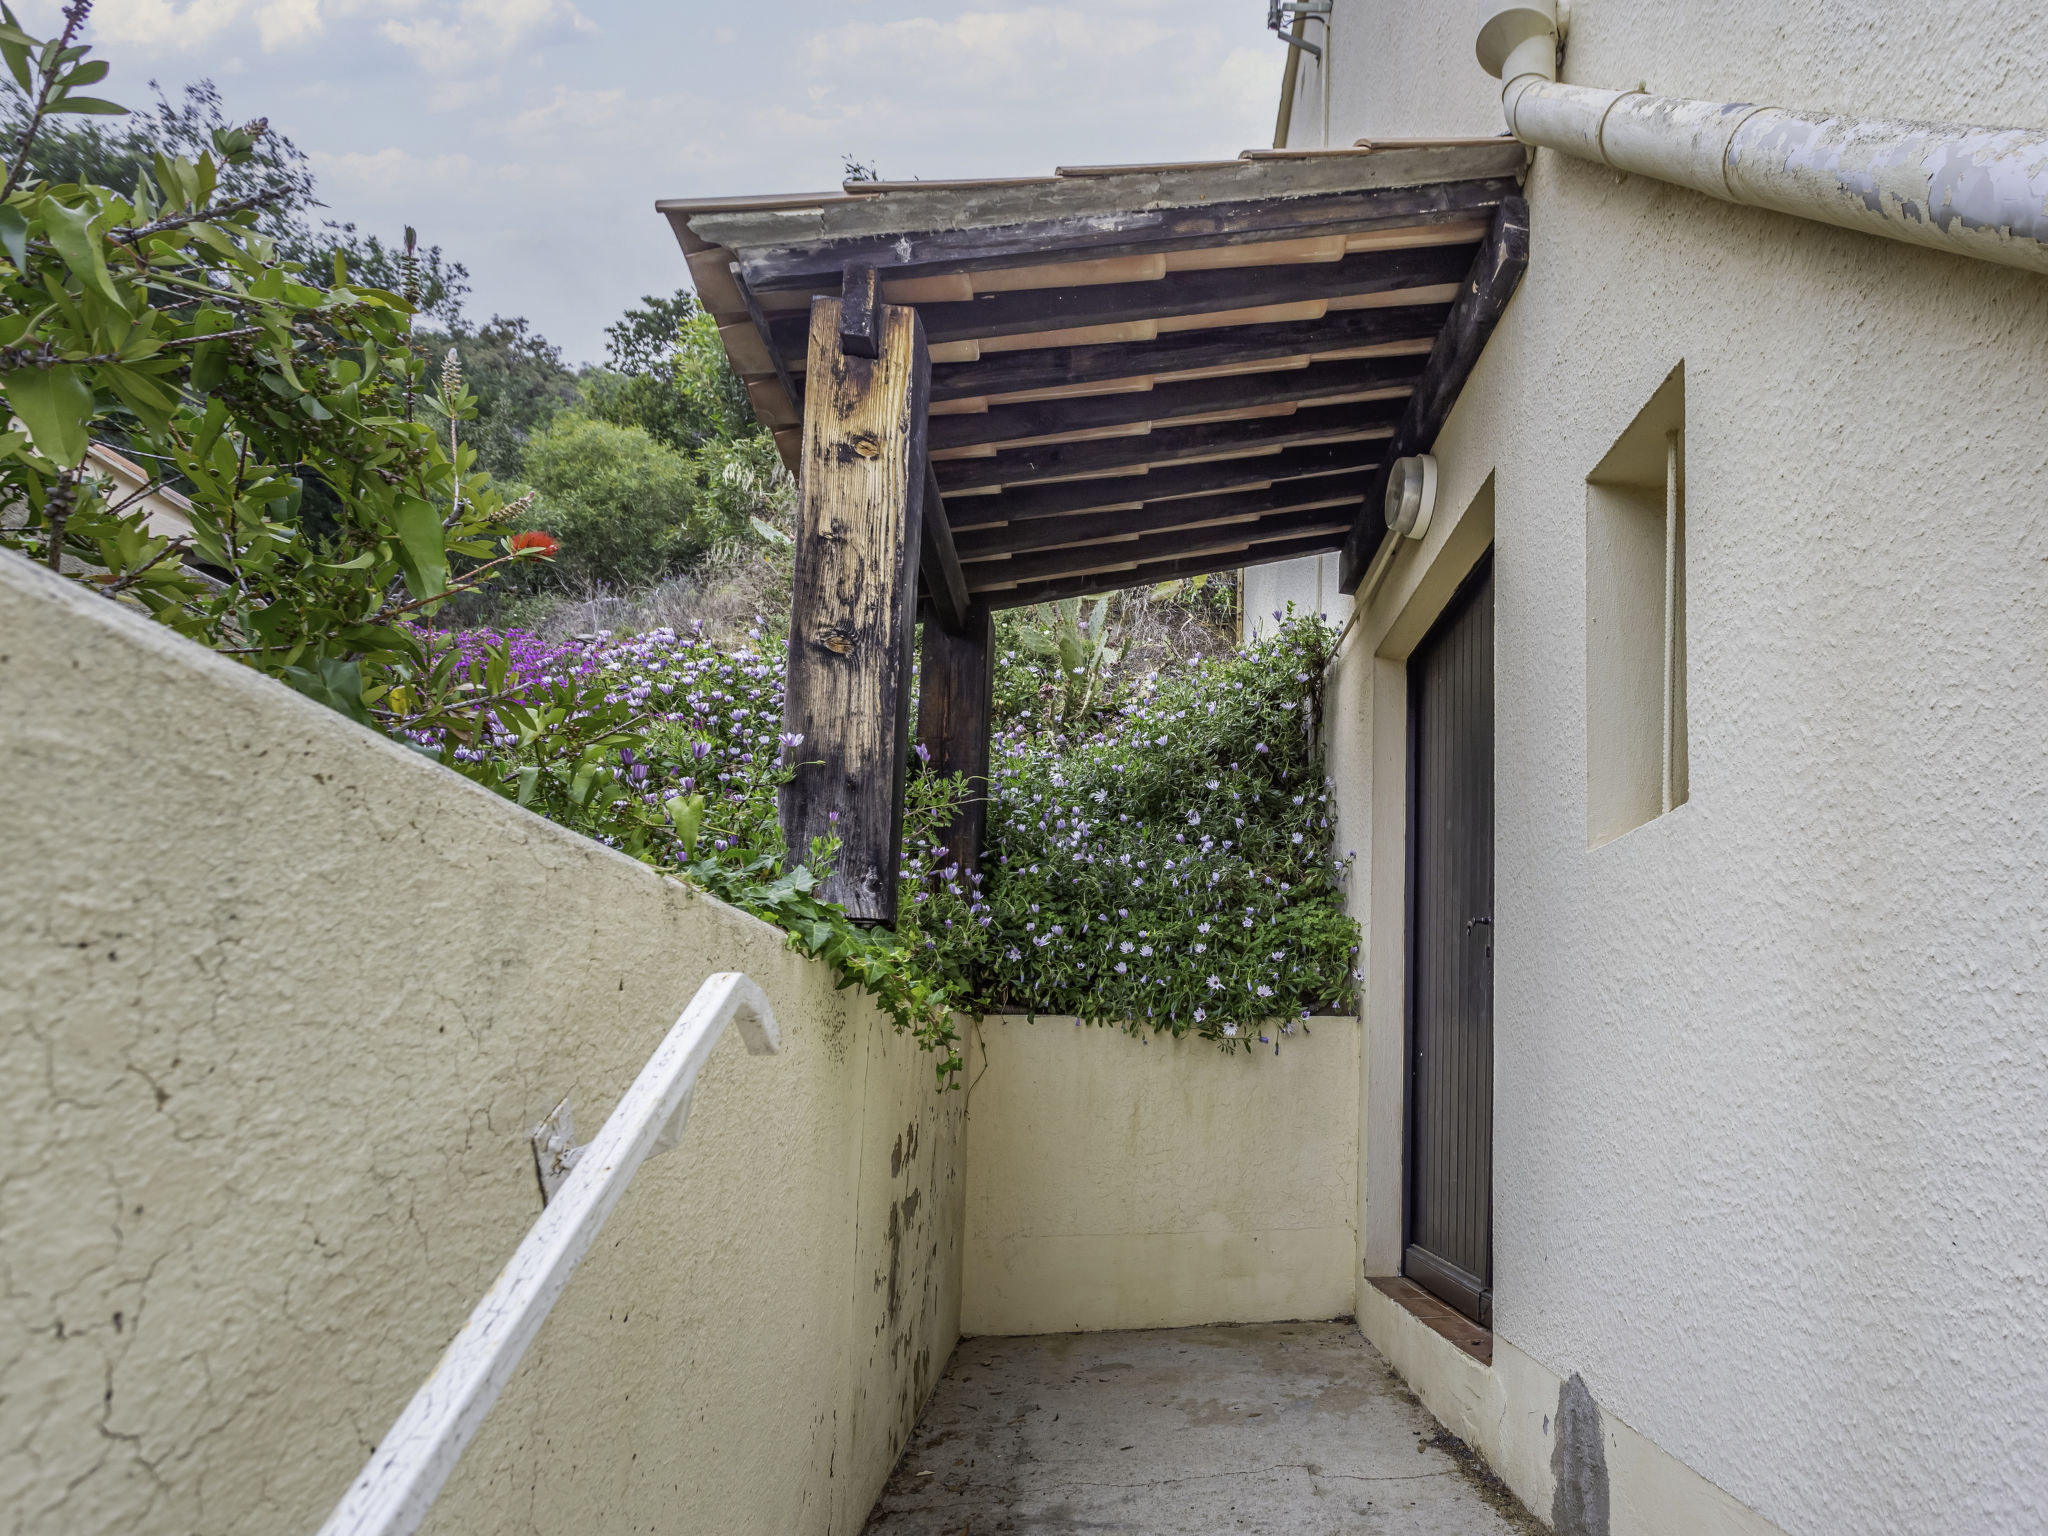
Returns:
(279,1001)
(1116,1182)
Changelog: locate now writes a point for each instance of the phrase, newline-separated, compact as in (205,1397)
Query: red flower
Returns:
(533,538)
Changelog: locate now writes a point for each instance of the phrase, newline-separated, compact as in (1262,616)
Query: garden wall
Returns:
(1157,1183)
(279,1001)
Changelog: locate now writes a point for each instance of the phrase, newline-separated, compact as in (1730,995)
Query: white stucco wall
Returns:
(278,1003)
(1118,1182)
(1310,584)
(1770,1071)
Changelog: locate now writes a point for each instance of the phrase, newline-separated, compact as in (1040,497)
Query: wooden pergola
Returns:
(996,393)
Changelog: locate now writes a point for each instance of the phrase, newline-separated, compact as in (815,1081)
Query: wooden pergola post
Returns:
(854,603)
(956,684)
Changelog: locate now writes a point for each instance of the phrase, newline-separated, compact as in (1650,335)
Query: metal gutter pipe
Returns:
(1975,191)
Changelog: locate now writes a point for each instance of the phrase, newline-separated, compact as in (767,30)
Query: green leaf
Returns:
(91,105)
(55,404)
(86,74)
(334,682)
(14,235)
(423,544)
(71,233)
(688,818)
(16,55)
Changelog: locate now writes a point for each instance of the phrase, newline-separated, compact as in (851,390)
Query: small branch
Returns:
(263,199)
(175,547)
(74,18)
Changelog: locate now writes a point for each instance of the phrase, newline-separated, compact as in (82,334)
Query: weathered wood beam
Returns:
(1169,402)
(816,266)
(1154,572)
(860,321)
(1058,367)
(939,560)
(1180,293)
(956,686)
(767,335)
(1026,502)
(1496,273)
(1158,517)
(853,604)
(1222,439)
(987,578)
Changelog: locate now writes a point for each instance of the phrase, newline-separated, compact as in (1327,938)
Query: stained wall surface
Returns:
(1118,1182)
(1771,1070)
(279,1002)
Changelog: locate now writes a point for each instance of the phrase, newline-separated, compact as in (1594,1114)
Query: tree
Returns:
(668,375)
(519,381)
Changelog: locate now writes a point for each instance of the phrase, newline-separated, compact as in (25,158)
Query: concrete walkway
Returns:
(1271,1428)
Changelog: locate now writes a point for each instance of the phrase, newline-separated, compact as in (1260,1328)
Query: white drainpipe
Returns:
(1979,192)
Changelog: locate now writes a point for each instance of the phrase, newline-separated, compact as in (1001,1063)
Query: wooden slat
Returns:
(853,605)
(1171,402)
(1023,466)
(1190,294)
(811,264)
(711,276)
(1172,483)
(1047,565)
(767,335)
(744,348)
(1496,273)
(1151,573)
(1158,517)
(956,686)
(1053,368)
(939,560)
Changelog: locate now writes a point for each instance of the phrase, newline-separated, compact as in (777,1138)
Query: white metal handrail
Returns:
(392,1494)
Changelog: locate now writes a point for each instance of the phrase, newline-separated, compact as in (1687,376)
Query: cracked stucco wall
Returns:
(1771,1071)
(278,1003)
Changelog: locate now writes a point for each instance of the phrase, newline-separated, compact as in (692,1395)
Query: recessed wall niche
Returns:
(1636,747)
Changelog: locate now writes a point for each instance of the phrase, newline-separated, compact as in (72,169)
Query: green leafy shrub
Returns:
(620,502)
(164,318)
(1173,870)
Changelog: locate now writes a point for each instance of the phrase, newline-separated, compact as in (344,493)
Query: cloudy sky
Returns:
(531,137)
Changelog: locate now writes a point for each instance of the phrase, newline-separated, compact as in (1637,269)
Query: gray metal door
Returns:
(1449,1203)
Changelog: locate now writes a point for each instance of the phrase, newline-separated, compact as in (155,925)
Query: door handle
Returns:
(1471,922)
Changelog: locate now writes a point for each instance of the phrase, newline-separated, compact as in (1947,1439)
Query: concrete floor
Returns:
(1271,1428)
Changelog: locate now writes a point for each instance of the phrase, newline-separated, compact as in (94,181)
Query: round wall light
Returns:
(1411,495)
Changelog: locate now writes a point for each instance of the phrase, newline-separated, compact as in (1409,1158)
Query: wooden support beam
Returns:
(860,333)
(1496,273)
(1027,502)
(1169,402)
(1342,330)
(940,561)
(1222,291)
(853,604)
(1150,574)
(990,577)
(767,335)
(956,686)
(816,265)
(1218,440)
(1158,516)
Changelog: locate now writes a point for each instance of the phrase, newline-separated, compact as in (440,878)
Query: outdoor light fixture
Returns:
(1411,495)
(1282,14)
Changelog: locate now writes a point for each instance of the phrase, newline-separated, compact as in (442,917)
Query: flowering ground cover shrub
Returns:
(1173,869)
(669,747)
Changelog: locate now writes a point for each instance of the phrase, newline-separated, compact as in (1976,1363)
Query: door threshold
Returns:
(1437,1317)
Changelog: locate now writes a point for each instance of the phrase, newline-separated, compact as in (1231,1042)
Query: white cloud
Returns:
(532,145)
